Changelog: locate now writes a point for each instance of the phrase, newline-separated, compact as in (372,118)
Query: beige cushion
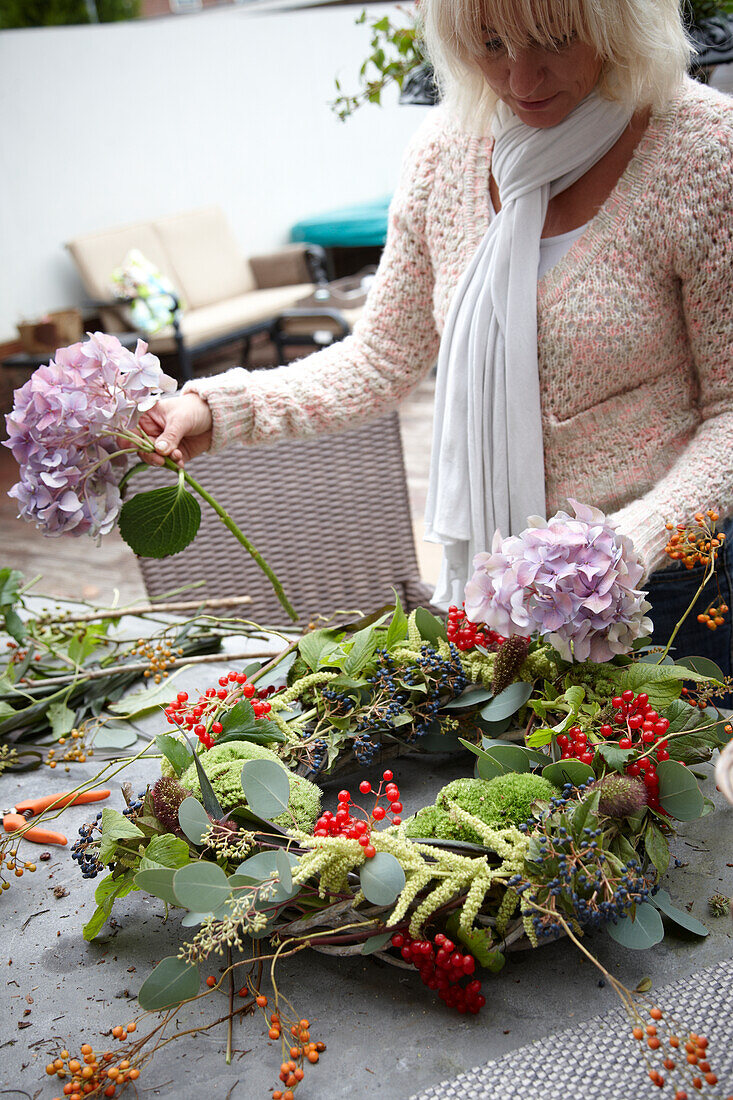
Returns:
(221,318)
(208,265)
(97,255)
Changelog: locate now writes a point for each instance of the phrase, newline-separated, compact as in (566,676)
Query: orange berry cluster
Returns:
(714,616)
(77,752)
(694,545)
(159,654)
(302,1050)
(690,1057)
(93,1074)
(9,862)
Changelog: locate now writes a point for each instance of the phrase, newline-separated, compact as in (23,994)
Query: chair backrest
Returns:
(331,516)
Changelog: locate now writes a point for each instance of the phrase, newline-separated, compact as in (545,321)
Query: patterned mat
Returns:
(550,1069)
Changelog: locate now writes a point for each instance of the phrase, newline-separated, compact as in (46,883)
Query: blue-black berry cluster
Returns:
(85,852)
(570,873)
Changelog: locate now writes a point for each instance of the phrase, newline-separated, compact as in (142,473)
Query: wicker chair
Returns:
(330,515)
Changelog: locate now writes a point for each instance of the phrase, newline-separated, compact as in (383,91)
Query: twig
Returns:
(140,666)
(148,608)
(231,1007)
(28,920)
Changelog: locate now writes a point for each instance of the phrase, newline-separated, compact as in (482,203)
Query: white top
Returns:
(552,249)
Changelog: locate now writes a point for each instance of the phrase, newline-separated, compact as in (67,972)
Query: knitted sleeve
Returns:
(701,225)
(394,343)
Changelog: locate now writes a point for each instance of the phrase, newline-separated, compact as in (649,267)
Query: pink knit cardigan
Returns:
(635,324)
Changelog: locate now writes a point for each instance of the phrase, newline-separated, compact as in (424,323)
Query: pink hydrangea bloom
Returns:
(572,580)
(63,432)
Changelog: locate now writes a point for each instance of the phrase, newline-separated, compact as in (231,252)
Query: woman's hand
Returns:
(180,428)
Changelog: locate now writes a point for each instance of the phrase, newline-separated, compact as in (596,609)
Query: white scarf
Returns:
(487,467)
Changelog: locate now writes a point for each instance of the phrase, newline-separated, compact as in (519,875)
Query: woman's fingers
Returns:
(180,429)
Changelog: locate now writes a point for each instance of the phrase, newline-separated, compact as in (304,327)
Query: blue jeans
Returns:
(670,593)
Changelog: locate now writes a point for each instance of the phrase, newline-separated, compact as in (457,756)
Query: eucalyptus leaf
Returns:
(142,702)
(191,920)
(161,522)
(488,768)
(471,697)
(685,920)
(172,981)
(200,885)
(679,793)
(703,666)
(512,758)
(493,729)
(435,740)
(159,882)
(375,943)
(568,771)
(266,787)
(638,933)
(193,819)
(270,864)
(114,737)
(382,878)
(507,702)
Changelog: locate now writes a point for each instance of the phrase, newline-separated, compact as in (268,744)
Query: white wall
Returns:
(102,125)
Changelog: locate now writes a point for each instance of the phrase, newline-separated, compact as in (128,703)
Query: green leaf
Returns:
(382,878)
(115,826)
(679,793)
(488,768)
(266,787)
(209,799)
(161,522)
(11,581)
(685,920)
(200,886)
(539,738)
(312,645)
(397,630)
(362,650)
(493,729)
(168,851)
(158,881)
(479,941)
(585,807)
(511,758)
(644,986)
(268,865)
(431,628)
(172,981)
(375,943)
(657,848)
(14,625)
(470,698)
(614,756)
(108,891)
(639,932)
(241,724)
(82,646)
(193,819)
(568,771)
(435,740)
(507,702)
(176,752)
(61,718)
(703,667)
(134,706)
(114,737)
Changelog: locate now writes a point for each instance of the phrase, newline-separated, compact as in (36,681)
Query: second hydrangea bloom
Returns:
(572,580)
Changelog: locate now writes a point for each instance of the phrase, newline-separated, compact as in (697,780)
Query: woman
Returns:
(565,222)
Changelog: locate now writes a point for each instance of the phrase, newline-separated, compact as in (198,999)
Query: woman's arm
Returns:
(392,346)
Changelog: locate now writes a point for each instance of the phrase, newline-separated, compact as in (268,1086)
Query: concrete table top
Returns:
(386,1034)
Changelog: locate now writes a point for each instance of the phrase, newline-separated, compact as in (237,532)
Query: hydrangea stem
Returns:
(229,523)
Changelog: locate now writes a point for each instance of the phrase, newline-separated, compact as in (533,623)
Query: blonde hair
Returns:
(642,43)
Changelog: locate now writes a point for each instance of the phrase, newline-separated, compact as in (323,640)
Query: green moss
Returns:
(505,800)
(223,766)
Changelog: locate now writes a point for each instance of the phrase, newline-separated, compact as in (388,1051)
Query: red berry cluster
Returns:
(466,635)
(201,717)
(574,746)
(640,719)
(343,823)
(442,967)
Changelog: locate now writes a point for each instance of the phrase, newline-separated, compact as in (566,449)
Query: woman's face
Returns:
(541,85)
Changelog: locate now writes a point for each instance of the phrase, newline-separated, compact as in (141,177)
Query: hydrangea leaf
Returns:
(160,522)
(172,981)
